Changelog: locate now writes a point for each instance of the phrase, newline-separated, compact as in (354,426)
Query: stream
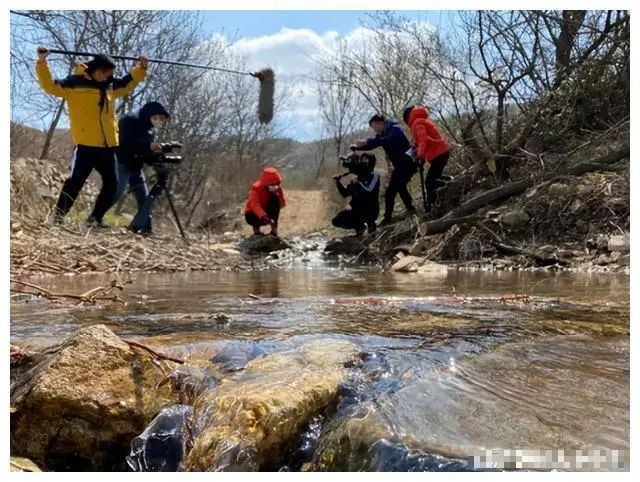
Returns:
(448,360)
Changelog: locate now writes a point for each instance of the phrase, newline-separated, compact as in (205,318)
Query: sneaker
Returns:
(94,223)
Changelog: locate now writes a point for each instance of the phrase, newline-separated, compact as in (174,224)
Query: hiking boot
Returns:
(94,223)
(58,220)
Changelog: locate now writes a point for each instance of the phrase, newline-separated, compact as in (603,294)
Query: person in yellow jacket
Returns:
(90,93)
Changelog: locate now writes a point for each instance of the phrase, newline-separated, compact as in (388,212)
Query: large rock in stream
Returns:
(252,419)
(77,406)
(263,244)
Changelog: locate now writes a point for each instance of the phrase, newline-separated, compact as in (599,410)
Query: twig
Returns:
(154,353)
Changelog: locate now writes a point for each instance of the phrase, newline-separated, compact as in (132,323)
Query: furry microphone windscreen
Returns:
(265,100)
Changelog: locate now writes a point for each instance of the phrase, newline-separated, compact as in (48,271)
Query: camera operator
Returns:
(137,135)
(395,144)
(364,206)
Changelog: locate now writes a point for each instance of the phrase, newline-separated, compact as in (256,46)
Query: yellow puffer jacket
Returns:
(91,109)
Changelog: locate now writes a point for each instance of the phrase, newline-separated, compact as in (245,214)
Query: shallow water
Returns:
(448,362)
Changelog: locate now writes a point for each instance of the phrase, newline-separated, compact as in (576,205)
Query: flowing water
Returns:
(449,360)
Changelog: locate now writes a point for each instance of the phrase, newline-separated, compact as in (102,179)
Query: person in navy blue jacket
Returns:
(137,135)
(395,144)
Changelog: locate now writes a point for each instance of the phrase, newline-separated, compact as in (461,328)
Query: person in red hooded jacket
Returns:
(266,198)
(430,146)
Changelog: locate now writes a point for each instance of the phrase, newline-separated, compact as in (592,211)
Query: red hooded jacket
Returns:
(259,194)
(428,140)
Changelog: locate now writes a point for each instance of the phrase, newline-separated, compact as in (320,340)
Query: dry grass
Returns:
(38,249)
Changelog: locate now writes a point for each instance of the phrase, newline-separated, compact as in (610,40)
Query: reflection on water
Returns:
(446,362)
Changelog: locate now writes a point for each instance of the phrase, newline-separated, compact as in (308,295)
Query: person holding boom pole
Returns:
(90,93)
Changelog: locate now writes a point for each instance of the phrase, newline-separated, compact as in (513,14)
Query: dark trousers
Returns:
(136,181)
(435,172)
(400,177)
(85,160)
(142,219)
(350,219)
(272,210)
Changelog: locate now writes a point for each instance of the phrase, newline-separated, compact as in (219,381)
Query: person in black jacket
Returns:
(364,206)
(395,144)
(137,135)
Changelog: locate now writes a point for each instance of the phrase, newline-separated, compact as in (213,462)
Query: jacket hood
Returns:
(150,109)
(270,175)
(80,69)
(101,61)
(418,112)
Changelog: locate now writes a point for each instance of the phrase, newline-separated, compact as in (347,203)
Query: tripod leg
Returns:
(173,210)
(423,189)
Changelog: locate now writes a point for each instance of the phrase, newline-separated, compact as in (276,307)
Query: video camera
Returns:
(162,157)
(357,164)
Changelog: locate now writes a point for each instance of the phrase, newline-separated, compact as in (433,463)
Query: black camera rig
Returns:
(357,164)
(162,157)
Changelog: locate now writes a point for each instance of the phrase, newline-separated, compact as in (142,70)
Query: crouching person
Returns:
(265,201)
(364,191)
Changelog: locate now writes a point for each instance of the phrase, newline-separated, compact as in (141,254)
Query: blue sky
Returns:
(259,23)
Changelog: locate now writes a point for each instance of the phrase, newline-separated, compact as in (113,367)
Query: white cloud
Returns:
(294,55)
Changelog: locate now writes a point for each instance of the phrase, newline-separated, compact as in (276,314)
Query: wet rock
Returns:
(19,464)
(250,420)
(350,246)
(432,268)
(620,244)
(602,260)
(559,190)
(416,264)
(408,264)
(160,448)
(80,405)
(515,219)
(263,244)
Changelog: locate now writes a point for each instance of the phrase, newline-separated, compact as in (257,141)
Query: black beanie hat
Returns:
(101,61)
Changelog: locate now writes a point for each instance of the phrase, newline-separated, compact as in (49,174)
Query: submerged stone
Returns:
(251,420)
(160,448)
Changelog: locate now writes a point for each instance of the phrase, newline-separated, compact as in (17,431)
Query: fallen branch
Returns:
(154,353)
(518,187)
(543,260)
(91,296)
